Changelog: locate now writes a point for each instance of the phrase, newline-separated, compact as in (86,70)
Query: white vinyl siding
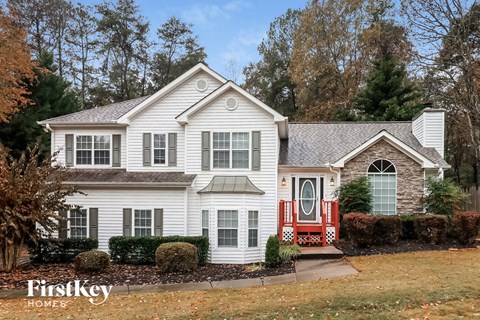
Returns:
(429,129)
(78,221)
(227,228)
(142,223)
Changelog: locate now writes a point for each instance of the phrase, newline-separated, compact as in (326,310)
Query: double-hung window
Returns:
(231,150)
(159,149)
(227,228)
(93,150)
(142,223)
(252,229)
(78,224)
(205,223)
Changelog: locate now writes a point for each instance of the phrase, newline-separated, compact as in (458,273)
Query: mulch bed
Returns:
(118,274)
(402,246)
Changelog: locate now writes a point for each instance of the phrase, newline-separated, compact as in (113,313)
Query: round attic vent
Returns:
(201,85)
(231,104)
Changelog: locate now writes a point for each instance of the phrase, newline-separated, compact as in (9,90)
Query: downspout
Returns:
(52,137)
(330,168)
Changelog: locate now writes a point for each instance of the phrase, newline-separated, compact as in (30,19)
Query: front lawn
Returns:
(437,284)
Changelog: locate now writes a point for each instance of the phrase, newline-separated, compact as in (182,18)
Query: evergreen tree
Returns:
(387,96)
(50,97)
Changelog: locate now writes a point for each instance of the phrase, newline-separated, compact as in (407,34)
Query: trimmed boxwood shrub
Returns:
(359,228)
(92,261)
(467,226)
(176,257)
(141,250)
(60,250)
(408,227)
(272,252)
(431,228)
(387,230)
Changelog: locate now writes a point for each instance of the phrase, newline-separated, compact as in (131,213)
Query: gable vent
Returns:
(201,85)
(231,104)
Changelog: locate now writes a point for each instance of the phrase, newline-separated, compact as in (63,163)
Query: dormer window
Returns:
(93,150)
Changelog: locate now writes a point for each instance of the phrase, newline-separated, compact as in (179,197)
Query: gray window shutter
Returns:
(147,149)
(256,153)
(93,223)
(205,150)
(172,149)
(62,231)
(69,150)
(127,222)
(116,145)
(158,222)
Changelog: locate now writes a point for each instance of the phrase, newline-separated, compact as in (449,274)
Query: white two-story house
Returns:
(203,157)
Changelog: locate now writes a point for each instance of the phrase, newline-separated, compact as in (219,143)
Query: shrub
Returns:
(272,252)
(141,250)
(467,225)
(289,252)
(176,257)
(442,196)
(60,250)
(431,228)
(355,196)
(408,227)
(387,230)
(92,261)
(359,228)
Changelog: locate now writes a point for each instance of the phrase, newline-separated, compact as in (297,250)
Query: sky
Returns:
(229,30)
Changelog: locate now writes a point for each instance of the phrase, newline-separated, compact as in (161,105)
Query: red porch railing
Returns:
(288,218)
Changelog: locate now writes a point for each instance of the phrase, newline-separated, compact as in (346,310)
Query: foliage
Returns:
(468,225)
(32,197)
(16,67)
(408,227)
(387,230)
(92,261)
(53,250)
(442,196)
(359,228)
(431,228)
(141,250)
(50,97)
(289,252)
(176,257)
(355,196)
(272,252)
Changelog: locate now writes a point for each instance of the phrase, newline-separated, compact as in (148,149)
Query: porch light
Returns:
(284,182)
(332,182)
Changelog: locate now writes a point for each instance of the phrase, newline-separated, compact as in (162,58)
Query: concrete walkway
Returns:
(305,270)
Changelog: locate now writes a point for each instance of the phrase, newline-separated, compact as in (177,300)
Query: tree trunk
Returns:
(9,255)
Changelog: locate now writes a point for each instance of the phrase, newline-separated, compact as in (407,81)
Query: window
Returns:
(78,224)
(383,179)
(93,149)
(143,223)
(227,228)
(231,150)
(205,223)
(159,149)
(252,229)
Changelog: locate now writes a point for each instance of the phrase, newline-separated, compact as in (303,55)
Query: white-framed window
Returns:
(142,223)
(93,149)
(383,179)
(227,228)
(205,223)
(78,221)
(159,148)
(252,228)
(231,150)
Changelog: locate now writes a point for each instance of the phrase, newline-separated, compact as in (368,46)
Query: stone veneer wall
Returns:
(410,180)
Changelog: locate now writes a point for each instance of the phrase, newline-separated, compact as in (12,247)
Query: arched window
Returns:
(383,178)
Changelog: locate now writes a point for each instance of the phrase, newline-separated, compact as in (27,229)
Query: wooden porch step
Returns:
(317,252)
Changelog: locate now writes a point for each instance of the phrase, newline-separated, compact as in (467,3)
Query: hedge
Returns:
(467,226)
(60,250)
(359,228)
(176,257)
(91,261)
(431,228)
(141,250)
(387,230)
(408,227)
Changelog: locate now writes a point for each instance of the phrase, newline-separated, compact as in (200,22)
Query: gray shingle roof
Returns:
(106,114)
(122,177)
(315,144)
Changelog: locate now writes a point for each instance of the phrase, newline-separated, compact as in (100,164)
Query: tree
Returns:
(387,95)
(269,79)
(179,51)
(50,97)
(32,196)
(16,67)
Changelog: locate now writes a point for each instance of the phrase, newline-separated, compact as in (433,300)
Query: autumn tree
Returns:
(16,67)
(32,197)
(268,79)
